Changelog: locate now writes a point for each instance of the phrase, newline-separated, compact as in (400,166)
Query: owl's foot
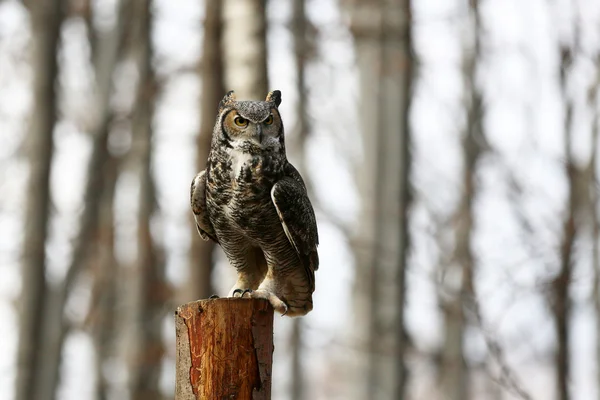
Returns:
(240,292)
(275,301)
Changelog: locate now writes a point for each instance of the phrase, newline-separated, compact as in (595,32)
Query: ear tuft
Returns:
(229,98)
(274,97)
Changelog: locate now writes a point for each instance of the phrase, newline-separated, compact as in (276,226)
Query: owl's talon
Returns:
(237,291)
(285,307)
(214,296)
(249,291)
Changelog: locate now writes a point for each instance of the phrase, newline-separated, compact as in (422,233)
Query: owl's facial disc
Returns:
(261,130)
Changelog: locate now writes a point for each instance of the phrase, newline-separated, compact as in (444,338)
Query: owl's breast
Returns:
(239,195)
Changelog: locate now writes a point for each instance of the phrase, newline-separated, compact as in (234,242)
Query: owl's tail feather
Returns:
(300,303)
(299,310)
(311,264)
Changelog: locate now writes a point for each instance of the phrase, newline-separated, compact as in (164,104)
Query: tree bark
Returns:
(244,48)
(224,349)
(101,316)
(454,373)
(594,201)
(46,18)
(401,48)
(561,299)
(101,319)
(154,291)
(55,326)
(298,148)
(213,90)
(383,46)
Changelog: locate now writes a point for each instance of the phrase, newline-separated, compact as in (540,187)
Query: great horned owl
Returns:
(253,202)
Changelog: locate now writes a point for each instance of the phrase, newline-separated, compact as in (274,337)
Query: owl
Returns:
(254,204)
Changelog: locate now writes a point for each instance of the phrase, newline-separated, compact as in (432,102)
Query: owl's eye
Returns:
(269,120)
(239,121)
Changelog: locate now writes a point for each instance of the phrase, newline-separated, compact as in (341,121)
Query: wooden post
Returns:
(224,349)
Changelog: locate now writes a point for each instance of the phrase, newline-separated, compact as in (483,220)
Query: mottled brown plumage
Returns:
(253,202)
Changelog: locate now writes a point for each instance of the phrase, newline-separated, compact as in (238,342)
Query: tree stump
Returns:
(224,349)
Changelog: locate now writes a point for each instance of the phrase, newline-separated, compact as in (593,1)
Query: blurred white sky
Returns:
(523,123)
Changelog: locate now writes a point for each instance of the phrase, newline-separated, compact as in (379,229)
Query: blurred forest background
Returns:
(451,152)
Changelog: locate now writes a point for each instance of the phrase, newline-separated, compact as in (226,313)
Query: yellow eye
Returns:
(269,120)
(239,121)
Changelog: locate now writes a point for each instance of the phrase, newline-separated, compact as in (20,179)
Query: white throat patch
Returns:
(238,160)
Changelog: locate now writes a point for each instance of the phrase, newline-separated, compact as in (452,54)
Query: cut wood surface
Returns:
(224,349)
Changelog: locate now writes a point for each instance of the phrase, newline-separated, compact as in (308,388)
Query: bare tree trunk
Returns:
(244,48)
(452,377)
(101,317)
(46,18)
(150,266)
(382,36)
(594,201)
(454,372)
(301,44)
(561,299)
(404,52)
(55,326)
(297,375)
(367,52)
(213,90)
(301,54)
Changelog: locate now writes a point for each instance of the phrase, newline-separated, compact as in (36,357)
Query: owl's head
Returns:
(250,126)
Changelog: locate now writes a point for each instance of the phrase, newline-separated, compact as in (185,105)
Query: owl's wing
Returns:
(198,203)
(297,218)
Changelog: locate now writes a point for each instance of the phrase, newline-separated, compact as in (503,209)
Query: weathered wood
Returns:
(224,349)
